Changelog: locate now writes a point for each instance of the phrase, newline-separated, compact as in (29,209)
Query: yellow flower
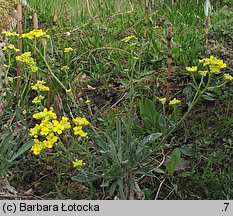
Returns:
(10,34)
(68,90)
(78,163)
(129,38)
(192,69)
(76,129)
(51,140)
(64,68)
(162,100)
(79,132)
(68,49)
(28,60)
(35,131)
(87,101)
(203,73)
(57,127)
(65,123)
(81,121)
(6,66)
(37,147)
(46,127)
(45,115)
(174,102)
(39,86)
(34,68)
(227,76)
(133,44)
(214,64)
(38,33)
(38,99)
(51,115)
(10,47)
(28,36)
(11,79)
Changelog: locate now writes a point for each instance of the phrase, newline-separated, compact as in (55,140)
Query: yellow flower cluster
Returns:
(11,79)
(129,38)
(69,49)
(174,102)
(203,73)
(228,77)
(171,103)
(87,101)
(36,33)
(48,130)
(39,86)
(192,69)
(10,47)
(64,68)
(38,99)
(78,163)
(10,34)
(162,100)
(79,123)
(28,60)
(133,44)
(214,64)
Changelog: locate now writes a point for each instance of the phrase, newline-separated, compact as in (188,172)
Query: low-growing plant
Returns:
(10,151)
(133,148)
(125,157)
(49,129)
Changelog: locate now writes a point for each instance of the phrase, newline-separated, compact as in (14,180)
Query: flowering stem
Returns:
(198,90)
(194,102)
(55,77)
(164,116)
(194,80)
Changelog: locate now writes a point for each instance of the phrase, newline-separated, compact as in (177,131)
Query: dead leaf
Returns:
(3,107)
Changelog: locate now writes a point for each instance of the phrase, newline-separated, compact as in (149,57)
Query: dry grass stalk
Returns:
(102,4)
(169,60)
(207,23)
(20,46)
(55,18)
(57,105)
(35,26)
(146,17)
(66,11)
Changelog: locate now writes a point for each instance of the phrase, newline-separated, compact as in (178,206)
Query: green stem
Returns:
(194,102)
(194,80)
(58,81)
